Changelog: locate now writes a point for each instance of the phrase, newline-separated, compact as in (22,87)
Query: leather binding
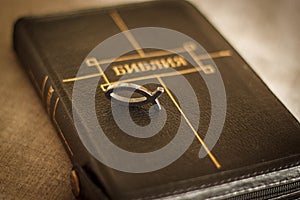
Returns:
(259,147)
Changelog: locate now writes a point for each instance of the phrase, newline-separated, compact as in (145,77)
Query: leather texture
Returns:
(259,135)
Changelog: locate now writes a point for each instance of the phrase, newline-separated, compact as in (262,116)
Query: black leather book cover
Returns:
(257,137)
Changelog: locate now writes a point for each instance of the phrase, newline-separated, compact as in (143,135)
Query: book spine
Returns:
(43,80)
(36,68)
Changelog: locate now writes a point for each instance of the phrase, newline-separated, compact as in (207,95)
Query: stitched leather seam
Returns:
(257,187)
(217,183)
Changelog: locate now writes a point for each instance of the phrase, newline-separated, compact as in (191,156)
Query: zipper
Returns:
(284,191)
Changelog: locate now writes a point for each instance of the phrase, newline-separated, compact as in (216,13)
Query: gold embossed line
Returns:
(49,97)
(211,156)
(167,74)
(217,54)
(123,27)
(59,129)
(44,86)
(94,62)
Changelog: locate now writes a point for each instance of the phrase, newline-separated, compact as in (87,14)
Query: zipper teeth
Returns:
(271,192)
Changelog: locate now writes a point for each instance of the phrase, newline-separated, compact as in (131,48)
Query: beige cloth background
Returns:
(33,164)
